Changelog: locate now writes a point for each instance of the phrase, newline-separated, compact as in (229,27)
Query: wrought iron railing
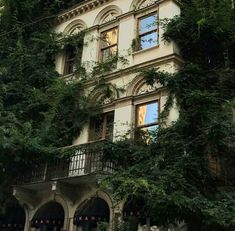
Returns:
(78,161)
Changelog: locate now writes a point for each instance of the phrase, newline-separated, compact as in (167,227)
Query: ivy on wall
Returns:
(39,111)
(175,175)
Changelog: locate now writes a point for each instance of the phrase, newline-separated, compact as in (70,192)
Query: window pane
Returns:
(150,130)
(149,40)
(148,24)
(147,114)
(108,53)
(72,67)
(109,126)
(98,128)
(102,127)
(148,134)
(109,38)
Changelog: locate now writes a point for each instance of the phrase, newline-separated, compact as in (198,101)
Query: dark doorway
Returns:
(13,219)
(50,217)
(91,214)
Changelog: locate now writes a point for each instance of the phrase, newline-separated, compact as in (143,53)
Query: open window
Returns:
(73,57)
(147,120)
(109,44)
(101,127)
(147,31)
(70,60)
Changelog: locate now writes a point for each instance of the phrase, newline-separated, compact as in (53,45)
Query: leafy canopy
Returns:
(175,175)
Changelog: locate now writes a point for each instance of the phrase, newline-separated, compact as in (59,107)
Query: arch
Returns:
(14,218)
(91,211)
(107,14)
(75,27)
(139,4)
(138,86)
(57,199)
(104,93)
(135,85)
(49,216)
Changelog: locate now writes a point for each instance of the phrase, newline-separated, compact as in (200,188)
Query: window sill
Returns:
(145,50)
(68,75)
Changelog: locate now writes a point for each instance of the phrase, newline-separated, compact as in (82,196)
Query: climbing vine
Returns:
(39,110)
(187,174)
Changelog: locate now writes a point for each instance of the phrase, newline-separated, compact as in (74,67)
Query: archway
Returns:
(91,213)
(13,219)
(50,217)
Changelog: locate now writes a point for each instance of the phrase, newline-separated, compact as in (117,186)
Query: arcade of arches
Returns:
(92,212)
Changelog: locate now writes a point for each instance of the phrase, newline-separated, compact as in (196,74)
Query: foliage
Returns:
(39,111)
(205,32)
(102,226)
(174,174)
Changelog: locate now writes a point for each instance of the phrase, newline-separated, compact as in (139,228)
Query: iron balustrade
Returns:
(78,161)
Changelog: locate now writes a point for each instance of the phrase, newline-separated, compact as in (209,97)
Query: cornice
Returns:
(137,68)
(88,5)
(80,9)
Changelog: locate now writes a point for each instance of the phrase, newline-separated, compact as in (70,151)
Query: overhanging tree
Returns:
(174,174)
(39,112)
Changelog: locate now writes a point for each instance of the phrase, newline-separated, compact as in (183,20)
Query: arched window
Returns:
(73,53)
(108,36)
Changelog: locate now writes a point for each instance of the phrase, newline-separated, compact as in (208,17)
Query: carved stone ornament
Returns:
(109,17)
(107,100)
(145,3)
(147,88)
(76,30)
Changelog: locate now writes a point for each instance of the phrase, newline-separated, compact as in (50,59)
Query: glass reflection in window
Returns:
(109,41)
(147,114)
(148,31)
(147,121)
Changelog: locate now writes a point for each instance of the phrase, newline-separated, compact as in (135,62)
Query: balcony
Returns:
(81,160)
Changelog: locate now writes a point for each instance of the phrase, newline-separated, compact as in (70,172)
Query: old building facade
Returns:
(68,198)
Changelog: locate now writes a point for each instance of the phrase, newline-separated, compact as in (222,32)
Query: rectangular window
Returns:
(148,31)
(109,43)
(101,127)
(73,57)
(70,58)
(147,120)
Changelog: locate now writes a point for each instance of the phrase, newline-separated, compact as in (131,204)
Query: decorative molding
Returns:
(76,30)
(75,27)
(145,3)
(108,14)
(80,9)
(109,17)
(107,100)
(174,58)
(147,88)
